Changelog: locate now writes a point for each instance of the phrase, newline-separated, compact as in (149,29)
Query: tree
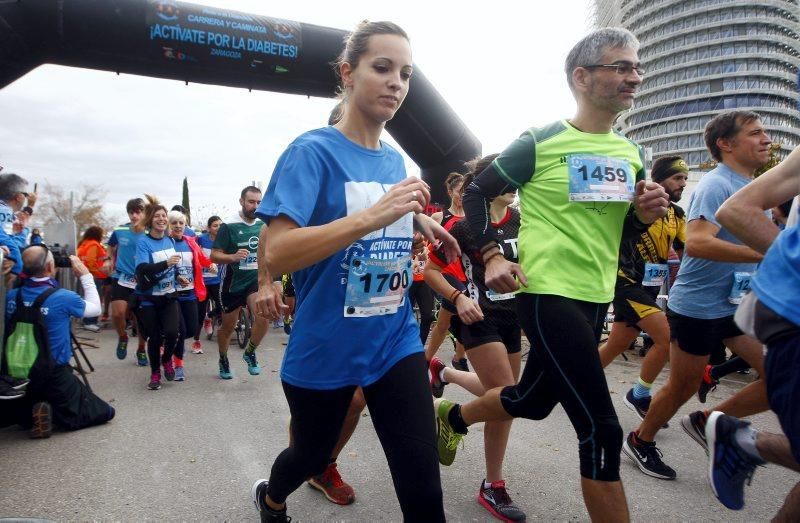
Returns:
(83,204)
(185,201)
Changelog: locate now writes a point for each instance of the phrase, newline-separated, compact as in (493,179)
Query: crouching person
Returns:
(38,310)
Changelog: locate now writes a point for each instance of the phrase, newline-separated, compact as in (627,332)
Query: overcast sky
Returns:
(500,70)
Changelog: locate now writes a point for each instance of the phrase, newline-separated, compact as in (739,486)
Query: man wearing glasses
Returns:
(582,189)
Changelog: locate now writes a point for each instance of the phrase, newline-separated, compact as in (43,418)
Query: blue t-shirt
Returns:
(320,178)
(206,243)
(56,310)
(125,240)
(777,283)
(186,269)
(188,231)
(702,286)
(152,250)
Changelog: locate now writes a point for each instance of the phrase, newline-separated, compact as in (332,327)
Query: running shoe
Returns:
(728,465)
(197,347)
(169,370)
(496,500)
(141,357)
(694,425)
(333,486)
(225,369)
(640,406)
(647,457)
(15,383)
(208,326)
(104,318)
(460,364)
(258,493)
(707,384)
(252,363)
(447,439)
(122,348)
(434,371)
(287,327)
(92,327)
(155,381)
(42,420)
(179,374)
(7,392)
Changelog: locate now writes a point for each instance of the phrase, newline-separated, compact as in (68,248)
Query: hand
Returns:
(469,311)
(503,276)
(410,195)
(650,201)
(17,227)
(5,250)
(182,281)
(7,266)
(213,268)
(290,302)
(32,197)
(175,259)
(241,254)
(436,234)
(268,301)
(418,245)
(78,267)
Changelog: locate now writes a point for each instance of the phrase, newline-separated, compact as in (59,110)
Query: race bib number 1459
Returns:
(599,179)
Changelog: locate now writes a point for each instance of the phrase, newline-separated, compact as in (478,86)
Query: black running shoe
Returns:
(14,383)
(460,364)
(496,500)
(258,493)
(729,467)
(647,457)
(639,406)
(694,425)
(7,392)
(707,384)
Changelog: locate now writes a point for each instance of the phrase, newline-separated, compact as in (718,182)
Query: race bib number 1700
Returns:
(376,287)
(599,179)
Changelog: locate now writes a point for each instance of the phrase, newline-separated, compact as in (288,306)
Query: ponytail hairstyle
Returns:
(357,43)
(476,166)
(151,205)
(453,180)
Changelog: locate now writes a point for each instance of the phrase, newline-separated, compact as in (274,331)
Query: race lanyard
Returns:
(376,287)
(599,179)
(740,287)
(654,274)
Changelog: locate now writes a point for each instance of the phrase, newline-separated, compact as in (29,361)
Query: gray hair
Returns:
(10,185)
(175,215)
(590,49)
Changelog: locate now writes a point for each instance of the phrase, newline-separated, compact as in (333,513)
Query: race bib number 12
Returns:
(599,179)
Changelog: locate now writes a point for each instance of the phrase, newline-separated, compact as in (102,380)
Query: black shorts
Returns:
(488,331)
(633,303)
(232,301)
(700,337)
(118,292)
(783,386)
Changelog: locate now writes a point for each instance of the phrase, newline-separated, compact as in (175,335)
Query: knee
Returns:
(599,450)
(519,404)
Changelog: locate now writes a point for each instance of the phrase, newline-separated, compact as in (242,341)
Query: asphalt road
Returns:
(191,451)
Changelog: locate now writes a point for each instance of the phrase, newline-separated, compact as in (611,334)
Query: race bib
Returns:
(740,287)
(493,296)
(599,179)
(376,287)
(206,270)
(250,263)
(186,270)
(655,274)
(127,281)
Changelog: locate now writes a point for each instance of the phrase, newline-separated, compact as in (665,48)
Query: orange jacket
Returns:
(93,255)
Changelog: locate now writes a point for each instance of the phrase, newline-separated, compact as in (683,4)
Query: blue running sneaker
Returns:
(141,358)
(122,348)
(268,515)
(225,369)
(252,364)
(728,465)
(287,327)
(180,375)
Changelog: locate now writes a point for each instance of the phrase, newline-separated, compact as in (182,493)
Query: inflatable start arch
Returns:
(181,41)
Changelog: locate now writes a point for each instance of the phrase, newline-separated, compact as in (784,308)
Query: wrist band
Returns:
(454,296)
(498,253)
(489,246)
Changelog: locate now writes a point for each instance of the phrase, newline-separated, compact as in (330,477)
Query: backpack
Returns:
(27,348)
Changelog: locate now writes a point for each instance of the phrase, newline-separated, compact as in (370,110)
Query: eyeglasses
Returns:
(623,68)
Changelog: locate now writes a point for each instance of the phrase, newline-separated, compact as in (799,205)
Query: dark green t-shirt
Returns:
(232,236)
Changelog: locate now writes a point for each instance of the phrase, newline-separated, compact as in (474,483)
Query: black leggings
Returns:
(160,322)
(212,294)
(188,325)
(422,295)
(564,367)
(402,413)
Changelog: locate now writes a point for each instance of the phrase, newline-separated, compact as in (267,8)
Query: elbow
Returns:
(693,248)
(725,215)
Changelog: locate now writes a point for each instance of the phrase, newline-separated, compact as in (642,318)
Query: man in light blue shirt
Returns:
(13,197)
(714,275)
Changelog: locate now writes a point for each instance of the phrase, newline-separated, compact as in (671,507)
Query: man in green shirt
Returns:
(576,179)
(236,250)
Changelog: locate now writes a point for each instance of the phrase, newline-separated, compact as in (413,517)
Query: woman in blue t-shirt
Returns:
(156,260)
(212,281)
(341,209)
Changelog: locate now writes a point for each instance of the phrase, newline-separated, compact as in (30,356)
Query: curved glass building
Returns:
(705,56)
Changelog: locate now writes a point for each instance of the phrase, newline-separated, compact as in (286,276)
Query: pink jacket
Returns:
(201,261)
